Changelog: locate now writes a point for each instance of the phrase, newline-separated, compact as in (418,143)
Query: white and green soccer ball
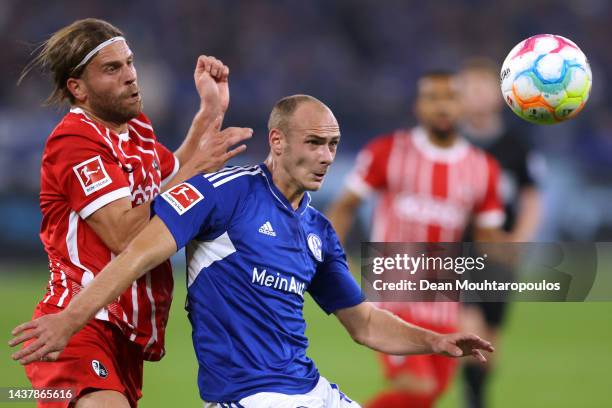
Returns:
(546,79)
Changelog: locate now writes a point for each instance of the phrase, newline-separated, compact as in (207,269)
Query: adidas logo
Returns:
(267,229)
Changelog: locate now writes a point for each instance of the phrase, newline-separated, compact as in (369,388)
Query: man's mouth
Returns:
(319,175)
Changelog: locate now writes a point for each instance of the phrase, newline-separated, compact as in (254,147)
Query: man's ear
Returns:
(275,138)
(77,88)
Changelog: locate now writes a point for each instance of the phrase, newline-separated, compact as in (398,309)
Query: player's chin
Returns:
(313,185)
(132,110)
(443,129)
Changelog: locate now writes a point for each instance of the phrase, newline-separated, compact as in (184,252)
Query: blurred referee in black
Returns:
(483,125)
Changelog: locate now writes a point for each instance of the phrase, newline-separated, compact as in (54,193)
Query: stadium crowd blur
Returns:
(360,57)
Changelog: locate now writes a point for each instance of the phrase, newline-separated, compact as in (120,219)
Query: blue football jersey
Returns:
(250,259)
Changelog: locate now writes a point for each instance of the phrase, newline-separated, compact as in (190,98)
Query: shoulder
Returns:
(76,122)
(234,177)
(478,154)
(230,184)
(321,223)
(75,131)
(384,142)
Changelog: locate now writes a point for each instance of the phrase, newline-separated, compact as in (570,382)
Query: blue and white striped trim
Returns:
(230,405)
(230,173)
(225,171)
(342,395)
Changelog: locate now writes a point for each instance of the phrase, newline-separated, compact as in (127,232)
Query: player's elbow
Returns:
(361,337)
(359,325)
(117,242)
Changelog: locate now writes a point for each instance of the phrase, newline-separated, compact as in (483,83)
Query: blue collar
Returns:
(280,197)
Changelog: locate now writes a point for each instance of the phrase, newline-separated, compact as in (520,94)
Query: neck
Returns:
(442,141)
(115,127)
(285,184)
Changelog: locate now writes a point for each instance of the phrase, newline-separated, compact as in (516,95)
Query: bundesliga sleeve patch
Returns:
(182,197)
(92,175)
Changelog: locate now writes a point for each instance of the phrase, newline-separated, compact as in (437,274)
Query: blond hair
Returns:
(62,52)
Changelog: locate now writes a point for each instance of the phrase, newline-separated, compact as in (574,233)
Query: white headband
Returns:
(93,52)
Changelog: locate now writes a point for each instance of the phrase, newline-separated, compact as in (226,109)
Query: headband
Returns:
(93,52)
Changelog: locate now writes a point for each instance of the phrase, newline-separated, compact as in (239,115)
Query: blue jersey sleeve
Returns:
(333,287)
(195,208)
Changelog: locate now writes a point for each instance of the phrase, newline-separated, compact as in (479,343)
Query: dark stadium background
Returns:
(362,59)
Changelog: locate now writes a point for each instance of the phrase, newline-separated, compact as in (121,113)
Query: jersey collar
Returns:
(449,154)
(124,137)
(280,197)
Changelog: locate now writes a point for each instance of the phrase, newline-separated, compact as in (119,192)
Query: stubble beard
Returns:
(114,109)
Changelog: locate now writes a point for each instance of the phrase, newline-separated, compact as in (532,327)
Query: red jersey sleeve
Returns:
(370,171)
(85,171)
(489,212)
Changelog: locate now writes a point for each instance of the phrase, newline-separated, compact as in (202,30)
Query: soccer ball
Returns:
(546,79)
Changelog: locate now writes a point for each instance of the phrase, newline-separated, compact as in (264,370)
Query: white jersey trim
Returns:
(100,202)
(202,254)
(223,170)
(73,253)
(60,303)
(490,219)
(450,154)
(153,337)
(142,124)
(357,185)
(236,175)
(226,172)
(175,170)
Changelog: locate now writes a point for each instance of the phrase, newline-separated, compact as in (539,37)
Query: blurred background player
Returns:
(101,168)
(432,184)
(484,126)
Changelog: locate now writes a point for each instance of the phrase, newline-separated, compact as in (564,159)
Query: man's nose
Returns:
(130,75)
(327,155)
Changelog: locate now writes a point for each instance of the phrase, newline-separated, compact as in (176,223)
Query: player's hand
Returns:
(211,80)
(214,147)
(49,335)
(461,345)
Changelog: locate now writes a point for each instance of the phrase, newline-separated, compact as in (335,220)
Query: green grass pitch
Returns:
(551,355)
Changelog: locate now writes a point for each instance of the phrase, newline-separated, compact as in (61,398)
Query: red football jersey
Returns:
(86,166)
(427,194)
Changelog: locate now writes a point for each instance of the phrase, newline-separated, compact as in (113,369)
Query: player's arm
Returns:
(489,216)
(341,213)
(211,80)
(382,331)
(528,215)
(368,175)
(53,331)
(206,148)
(484,234)
(117,223)
(172,227)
